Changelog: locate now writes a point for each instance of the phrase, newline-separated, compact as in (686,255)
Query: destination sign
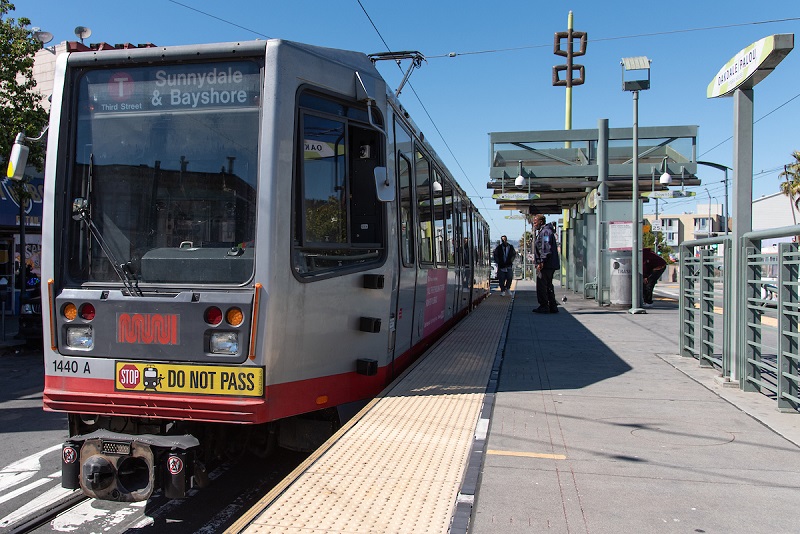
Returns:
(174,87)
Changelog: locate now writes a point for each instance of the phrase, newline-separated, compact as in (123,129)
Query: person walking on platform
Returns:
(545,257)
(653,266)
(504,255)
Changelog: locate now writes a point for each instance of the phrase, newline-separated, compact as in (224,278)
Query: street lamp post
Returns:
(635,66)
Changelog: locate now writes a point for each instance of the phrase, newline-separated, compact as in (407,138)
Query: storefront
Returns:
(10,236)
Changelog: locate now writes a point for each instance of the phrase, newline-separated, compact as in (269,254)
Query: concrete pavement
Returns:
(598,426)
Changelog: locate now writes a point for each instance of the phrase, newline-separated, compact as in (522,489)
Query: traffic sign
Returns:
(129,376)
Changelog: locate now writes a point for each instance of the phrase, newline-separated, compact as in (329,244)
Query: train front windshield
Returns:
(165,161)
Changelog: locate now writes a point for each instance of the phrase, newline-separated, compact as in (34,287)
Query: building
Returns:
(708,221)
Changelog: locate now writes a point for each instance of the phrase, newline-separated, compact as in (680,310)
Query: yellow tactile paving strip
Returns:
(399,465)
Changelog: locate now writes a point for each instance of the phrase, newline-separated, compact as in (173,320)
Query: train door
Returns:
(431,296)
(460,250)
(407,272)
(468,252)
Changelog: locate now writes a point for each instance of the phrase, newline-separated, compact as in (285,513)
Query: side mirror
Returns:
(18,159)
(384,186)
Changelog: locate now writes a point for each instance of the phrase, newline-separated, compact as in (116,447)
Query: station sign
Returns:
(751,65)
(668,194)
(515,196)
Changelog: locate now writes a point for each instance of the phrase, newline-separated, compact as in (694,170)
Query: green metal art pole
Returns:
(602,193)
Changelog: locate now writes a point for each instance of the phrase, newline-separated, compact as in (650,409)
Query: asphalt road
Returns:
(30,470)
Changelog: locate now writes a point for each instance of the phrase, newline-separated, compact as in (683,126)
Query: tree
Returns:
(791,187)
(20,104)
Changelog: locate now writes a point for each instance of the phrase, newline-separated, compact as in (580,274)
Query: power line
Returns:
(220,19)
(618,38)
(754,122)
(425,109)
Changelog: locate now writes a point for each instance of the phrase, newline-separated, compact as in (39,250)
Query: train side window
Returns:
(406,211)
(323,178)
(405,182)
(439,219)
(338,221)
(366,212)
(422,174)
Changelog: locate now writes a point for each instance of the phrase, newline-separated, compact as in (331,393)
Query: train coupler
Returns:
(128,468)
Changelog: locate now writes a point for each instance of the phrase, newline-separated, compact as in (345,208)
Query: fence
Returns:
(767,336)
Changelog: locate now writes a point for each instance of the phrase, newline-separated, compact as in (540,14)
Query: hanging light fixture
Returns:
(520,181)
(666,177)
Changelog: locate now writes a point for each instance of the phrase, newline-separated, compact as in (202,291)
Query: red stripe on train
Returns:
(97,396)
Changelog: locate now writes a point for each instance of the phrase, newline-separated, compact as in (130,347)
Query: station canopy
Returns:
(560,167)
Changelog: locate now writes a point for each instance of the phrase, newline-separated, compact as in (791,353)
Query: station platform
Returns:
(581,421)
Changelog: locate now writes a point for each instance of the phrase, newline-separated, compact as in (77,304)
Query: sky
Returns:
(499,78)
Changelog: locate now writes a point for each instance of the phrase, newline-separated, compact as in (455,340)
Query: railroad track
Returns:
(47,514)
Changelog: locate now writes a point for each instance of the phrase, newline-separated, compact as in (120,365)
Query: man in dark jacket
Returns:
(545,257)
(504,255)
(653,266)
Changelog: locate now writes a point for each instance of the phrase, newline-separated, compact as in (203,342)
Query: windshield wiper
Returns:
(80,212)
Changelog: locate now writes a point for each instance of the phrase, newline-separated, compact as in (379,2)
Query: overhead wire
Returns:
(425,109)
(220,19)
(754,123)
(618,38)
(513,49)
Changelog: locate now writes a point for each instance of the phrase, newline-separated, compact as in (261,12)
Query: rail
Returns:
(704,281)
(771,346)
(767,334)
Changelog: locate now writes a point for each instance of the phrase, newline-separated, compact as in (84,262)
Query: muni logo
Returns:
(147,328)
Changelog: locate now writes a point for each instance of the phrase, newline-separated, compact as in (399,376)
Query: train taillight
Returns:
(87,312)
(213,316)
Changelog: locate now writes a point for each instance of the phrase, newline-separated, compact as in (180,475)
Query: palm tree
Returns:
(791,187)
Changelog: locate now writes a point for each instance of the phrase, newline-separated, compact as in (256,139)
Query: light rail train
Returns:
(241,242)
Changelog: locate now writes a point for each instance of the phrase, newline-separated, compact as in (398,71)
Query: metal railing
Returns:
(704,280)
(770,352)
(767,341)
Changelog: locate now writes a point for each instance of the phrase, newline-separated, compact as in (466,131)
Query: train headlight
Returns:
(225,343)
(80,337)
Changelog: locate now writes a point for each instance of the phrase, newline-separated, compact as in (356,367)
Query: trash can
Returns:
(620,289)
